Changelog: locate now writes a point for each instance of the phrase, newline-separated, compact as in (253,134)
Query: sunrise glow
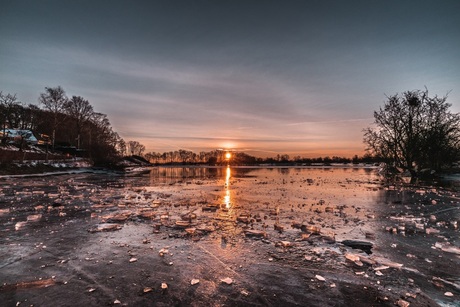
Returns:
(263,86)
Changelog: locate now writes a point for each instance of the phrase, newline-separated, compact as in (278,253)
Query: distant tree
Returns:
(355,159)
(242,158)
(54,100)
(150,156)
(136,148)
(30,117)
(202,157)
(284,158)
(185,155)
(212,160)
(318,160)
(121,146)
(8,105)
(164,158)
(80,110)
(414,131)
(368,158)
(153,157)
(103,141)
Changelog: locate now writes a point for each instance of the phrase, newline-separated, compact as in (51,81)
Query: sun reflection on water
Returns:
(227,199)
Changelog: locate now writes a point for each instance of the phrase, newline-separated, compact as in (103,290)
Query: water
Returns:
(411,226)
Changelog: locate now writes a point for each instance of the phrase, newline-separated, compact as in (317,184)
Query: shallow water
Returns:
(415,227)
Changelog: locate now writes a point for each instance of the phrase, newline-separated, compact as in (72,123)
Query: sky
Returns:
(265,77)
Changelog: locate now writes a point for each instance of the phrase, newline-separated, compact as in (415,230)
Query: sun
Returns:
(228,155)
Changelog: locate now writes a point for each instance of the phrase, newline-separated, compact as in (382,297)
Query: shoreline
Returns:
(37,168)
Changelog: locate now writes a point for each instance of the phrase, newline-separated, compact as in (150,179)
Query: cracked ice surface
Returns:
(76,226)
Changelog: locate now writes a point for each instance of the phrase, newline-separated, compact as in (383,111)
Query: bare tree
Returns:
(103,141)
(185,155)
(136,148)
(81,111)
(121,146)
(8,103)
(54,100)
(153,157)
(414,131)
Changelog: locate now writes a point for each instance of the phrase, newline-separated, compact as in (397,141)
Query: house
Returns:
(11,136)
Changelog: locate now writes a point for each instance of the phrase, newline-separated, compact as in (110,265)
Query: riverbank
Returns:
(42,167)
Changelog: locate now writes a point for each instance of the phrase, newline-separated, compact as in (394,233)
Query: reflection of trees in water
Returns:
(284,171)
(168,174)
(174,174)
(368,170)
(177,174)
(242,172)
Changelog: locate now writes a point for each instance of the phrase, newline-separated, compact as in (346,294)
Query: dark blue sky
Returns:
(267,77)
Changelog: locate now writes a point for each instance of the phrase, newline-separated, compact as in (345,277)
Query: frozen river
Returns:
(220,236)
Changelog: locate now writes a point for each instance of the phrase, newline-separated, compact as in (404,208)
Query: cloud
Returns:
(169,104)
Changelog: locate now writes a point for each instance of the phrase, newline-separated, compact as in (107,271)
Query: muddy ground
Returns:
(227,237)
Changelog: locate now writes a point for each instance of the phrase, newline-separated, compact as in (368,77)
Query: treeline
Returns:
(366,158)
(72,125)
(189,157)
(66,122)
(218,157)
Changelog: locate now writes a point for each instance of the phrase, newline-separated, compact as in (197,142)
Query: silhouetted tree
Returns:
(103,141)
(121,146)
(29,117)
(414,131)
(8,105)
(80,111)
(136,148)
(54,100)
